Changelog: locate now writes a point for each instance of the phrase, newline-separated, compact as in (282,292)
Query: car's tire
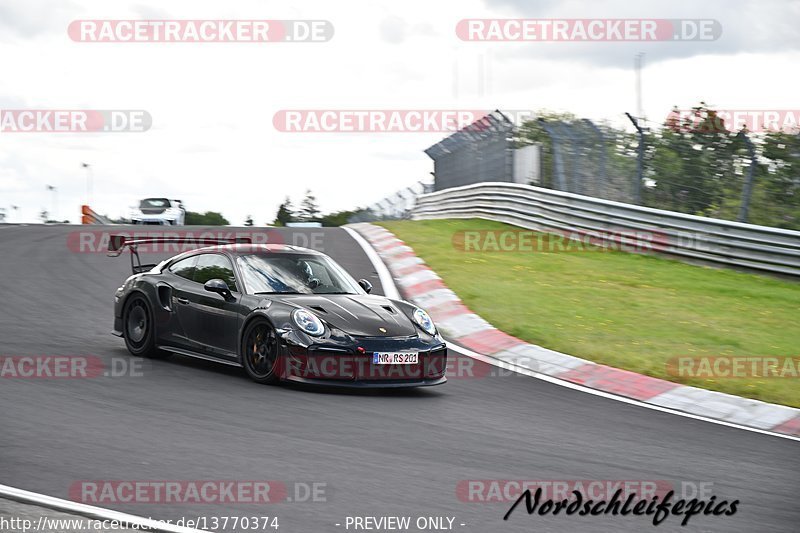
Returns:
(138,328)
(260,351)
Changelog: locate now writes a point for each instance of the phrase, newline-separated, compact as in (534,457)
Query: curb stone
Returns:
(422,286)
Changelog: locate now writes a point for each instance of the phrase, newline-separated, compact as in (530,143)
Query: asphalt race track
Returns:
(379,453)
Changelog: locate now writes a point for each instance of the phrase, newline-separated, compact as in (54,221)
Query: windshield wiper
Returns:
(278,292)
(353,293)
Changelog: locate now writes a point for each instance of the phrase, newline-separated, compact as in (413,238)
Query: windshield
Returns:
(295,274)
(154,202)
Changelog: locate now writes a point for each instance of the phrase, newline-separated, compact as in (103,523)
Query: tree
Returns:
(776,191)
(248,221)
(340,218)
(309,211)
(285,213)
(209,218)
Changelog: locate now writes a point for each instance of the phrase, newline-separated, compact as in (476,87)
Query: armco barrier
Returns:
(721,242)
(90,217)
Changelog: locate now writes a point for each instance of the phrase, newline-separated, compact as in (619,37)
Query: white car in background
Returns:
(159,212)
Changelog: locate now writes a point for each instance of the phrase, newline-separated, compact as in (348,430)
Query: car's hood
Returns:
(356,314)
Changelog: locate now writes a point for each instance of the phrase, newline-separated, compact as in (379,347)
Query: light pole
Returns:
(52,189)
(637,185)
(637,62)
(88,168)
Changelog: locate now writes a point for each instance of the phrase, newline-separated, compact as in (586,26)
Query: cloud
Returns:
(396,30)
(33,17)
(747,27)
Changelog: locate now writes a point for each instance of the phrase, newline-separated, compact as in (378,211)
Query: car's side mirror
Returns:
(218,286)
(366,285)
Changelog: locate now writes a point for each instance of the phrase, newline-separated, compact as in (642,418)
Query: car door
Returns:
(211,320)
(173,297)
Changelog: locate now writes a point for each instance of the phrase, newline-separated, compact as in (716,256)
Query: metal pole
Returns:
(575,180)
(558,169)
(638,60)
(88,183)
(52,189)
(747,189)
(637,186)
(603,155)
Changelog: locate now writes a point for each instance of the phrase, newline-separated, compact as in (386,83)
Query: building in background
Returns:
(483,151)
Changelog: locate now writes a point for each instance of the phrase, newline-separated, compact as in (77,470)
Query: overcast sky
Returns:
(213,144)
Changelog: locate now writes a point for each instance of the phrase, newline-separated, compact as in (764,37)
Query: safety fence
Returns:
(610,223)
(396,206)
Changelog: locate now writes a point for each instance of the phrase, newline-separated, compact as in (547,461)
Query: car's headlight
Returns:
(424,321)
(308,322)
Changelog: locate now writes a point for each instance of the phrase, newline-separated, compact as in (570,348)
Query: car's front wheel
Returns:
(260,351)
(139,328)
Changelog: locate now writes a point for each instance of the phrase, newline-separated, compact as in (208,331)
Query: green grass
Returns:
(625,310)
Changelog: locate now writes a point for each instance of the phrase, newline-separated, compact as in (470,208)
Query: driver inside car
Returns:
(306,274)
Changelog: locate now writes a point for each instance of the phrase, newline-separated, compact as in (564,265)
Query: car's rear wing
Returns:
(118,242)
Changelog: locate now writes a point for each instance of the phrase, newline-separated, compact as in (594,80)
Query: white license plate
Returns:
(394,358)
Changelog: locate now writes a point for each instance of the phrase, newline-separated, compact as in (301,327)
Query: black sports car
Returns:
(281,312)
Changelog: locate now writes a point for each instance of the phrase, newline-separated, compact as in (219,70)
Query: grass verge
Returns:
(625,310)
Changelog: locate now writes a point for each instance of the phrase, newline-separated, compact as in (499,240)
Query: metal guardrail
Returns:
(88,216)
(711,240)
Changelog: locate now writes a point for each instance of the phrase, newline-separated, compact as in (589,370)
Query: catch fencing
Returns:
(481,152)
(396,206)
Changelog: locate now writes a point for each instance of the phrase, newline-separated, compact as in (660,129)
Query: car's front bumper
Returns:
(368,384)
(153,221)
(355,367)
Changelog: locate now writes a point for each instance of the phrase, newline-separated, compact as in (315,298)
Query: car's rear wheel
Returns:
(260,351)
(139,328)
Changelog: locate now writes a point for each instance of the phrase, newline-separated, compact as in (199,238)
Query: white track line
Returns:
(389,287)
(81,509)
(390,290)
(90,511)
